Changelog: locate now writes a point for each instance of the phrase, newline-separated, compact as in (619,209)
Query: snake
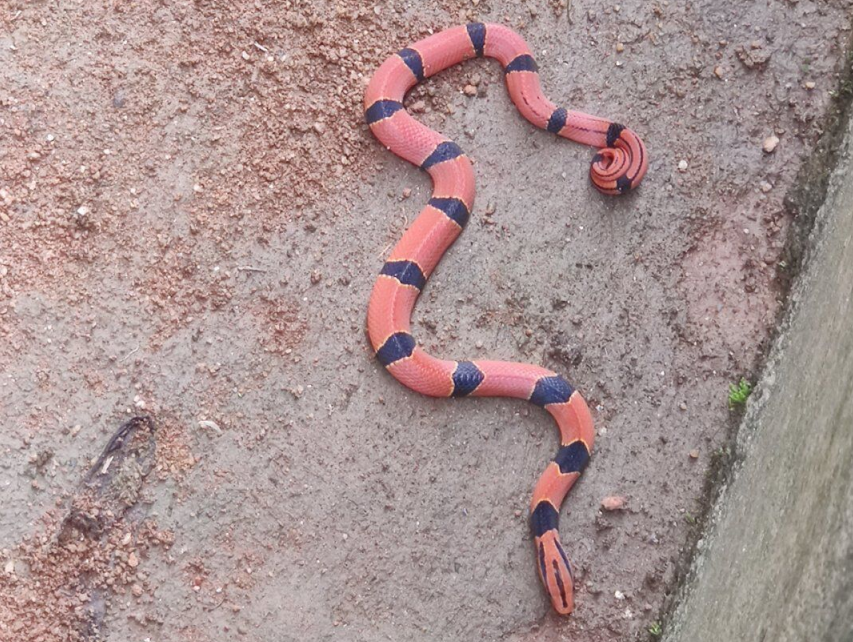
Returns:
(618,165)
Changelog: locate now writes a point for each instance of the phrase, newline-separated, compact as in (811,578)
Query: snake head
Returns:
(555,572)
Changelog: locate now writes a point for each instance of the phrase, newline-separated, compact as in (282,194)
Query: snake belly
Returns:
(619,165)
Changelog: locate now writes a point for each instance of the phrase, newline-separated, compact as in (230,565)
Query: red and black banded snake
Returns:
(618,166)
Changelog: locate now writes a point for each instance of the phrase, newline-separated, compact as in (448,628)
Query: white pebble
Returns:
(206,423)
(770,144)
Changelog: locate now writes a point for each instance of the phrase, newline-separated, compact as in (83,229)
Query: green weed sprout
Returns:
(739,393)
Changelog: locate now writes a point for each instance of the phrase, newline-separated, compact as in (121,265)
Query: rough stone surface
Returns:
(778,560)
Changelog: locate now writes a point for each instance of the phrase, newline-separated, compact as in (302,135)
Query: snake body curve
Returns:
(619,165)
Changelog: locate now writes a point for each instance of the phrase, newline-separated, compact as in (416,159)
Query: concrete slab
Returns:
(778,561)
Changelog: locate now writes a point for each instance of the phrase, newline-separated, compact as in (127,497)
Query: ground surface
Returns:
(192,216)
(787,518)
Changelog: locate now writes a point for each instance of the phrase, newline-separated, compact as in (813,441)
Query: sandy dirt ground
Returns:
(192,214)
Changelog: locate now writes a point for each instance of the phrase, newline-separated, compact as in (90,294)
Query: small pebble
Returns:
(694,454)
(810,85)
(718,71)
(207,423)
(614,502)
(770,144)
(682,165)
(765,186)
(620,47)
(470,90)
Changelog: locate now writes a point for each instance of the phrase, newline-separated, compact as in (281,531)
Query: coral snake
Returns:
(619,165)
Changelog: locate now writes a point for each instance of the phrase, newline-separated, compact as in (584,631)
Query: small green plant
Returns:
(739,393)
(689,519)
(655,629)
(721,454)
